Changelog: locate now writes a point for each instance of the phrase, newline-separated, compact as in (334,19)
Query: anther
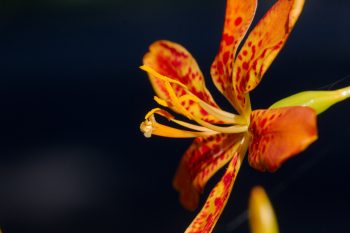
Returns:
(147,128)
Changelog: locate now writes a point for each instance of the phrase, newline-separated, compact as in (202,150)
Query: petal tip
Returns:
(188,195)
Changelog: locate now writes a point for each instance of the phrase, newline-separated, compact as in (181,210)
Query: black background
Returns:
(72,158)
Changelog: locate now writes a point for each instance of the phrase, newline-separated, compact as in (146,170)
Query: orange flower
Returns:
(272,135)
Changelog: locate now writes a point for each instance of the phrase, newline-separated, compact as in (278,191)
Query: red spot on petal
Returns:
(218,202)
(263,53)
(173,50)
(238,74)
(176,63)
(254,65)
(220,68)
(203,112)
(225,57)
(167,67)
(261,69)
(228,39)
(253,52)
(262,123)
(227,179)
(216,150)
(245,65)
(238,21)
(276,47)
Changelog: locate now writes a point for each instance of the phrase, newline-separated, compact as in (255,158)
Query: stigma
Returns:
(146,128)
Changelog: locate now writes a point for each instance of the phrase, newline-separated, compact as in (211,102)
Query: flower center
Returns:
(227,122)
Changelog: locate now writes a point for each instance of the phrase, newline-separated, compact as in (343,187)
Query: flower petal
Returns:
(200,162)
(213,207)
(262,46)
(176,63)
(239,15)
(278,134)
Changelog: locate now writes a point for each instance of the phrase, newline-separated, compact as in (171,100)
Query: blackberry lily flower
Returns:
(270,135)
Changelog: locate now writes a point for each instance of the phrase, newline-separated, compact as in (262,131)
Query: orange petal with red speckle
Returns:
(214,205)
(201,161)
(262,46)
(174,61)
(239,15)
(278,134)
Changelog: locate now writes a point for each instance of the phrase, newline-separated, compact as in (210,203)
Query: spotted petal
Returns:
(278,134)
(176,63)
(213,207)
(200,162)
(239,15)
(262,46)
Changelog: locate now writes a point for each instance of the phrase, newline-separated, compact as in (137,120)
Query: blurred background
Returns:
(72,158)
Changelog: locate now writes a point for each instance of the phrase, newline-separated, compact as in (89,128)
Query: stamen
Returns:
(166,131)
(151,127)
(175,100)
(227,118)
(228,129)
(191,126)
(204,126)
(158,111)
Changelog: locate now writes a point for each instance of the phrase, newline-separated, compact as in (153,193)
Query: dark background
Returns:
(72,158)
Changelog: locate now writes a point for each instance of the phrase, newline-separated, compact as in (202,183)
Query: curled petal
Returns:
(214,205)
(175,63)
(239,15)
(262,46)
(278,134)
(262,218)
(200,162)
